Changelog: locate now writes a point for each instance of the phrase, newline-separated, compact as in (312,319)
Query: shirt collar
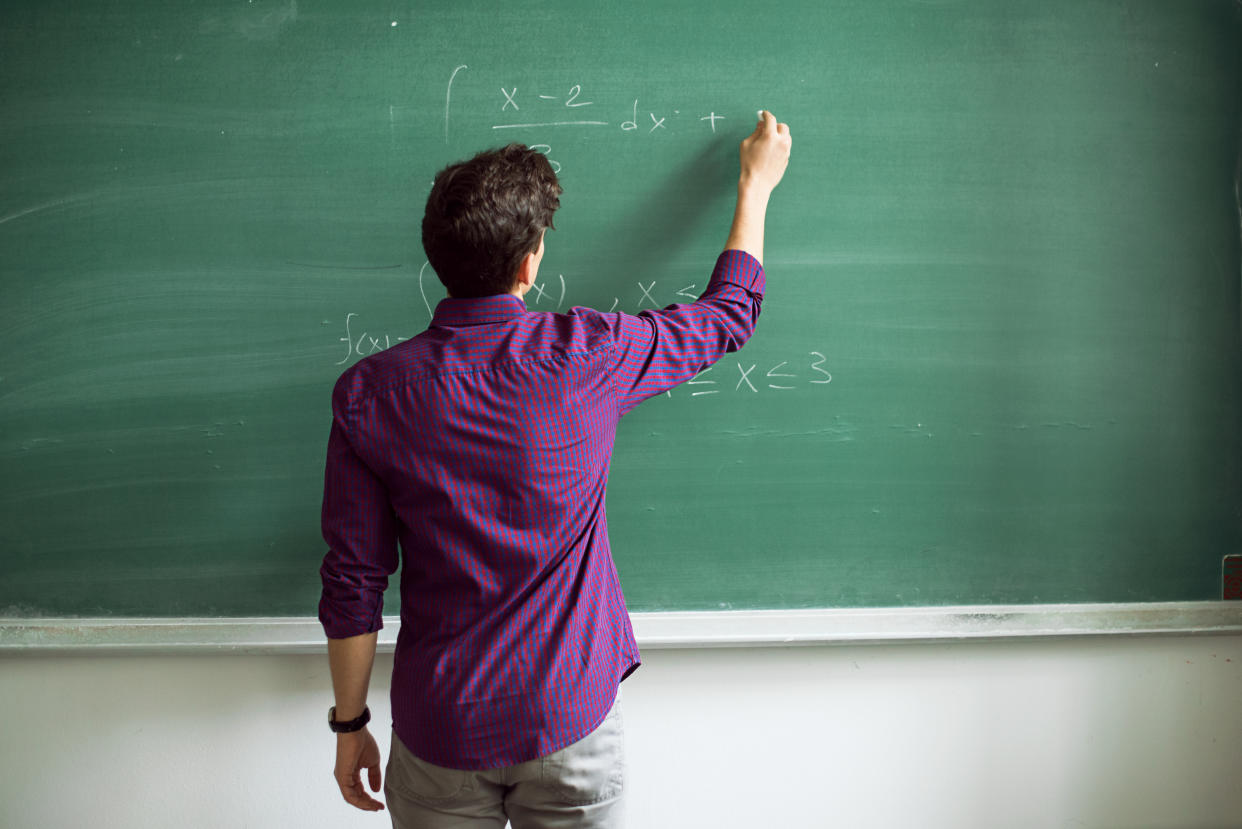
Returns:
(478,310)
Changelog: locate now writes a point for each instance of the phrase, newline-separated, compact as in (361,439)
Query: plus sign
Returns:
(713,118)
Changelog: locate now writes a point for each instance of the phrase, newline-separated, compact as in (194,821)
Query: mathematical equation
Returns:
(783,376)
(520,109)
(564,113)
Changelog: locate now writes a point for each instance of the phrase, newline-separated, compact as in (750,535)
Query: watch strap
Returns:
(349,726)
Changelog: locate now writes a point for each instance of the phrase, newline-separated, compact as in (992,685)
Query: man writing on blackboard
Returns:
(480,448)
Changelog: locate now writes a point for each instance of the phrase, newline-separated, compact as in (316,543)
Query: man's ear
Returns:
(528,270)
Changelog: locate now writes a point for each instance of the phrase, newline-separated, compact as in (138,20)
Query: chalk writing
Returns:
(785,375)
(818,366)
(773,373)
(551,124)
(364,344)
(646,295)
(695,381)
(546,151)
(422,289)
(526,107)
(658,120)
(539,292)
(448,99)
(745,378)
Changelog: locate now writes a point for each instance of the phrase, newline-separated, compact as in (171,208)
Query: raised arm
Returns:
(660,349)
(764,156)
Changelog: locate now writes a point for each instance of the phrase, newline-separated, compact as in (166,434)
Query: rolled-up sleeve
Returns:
(360,529)
(661,349)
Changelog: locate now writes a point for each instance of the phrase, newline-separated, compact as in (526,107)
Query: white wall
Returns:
(1088,732)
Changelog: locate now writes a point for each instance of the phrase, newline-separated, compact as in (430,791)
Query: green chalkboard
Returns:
(999,360)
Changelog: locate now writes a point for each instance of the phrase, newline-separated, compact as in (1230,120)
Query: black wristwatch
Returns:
(349,726)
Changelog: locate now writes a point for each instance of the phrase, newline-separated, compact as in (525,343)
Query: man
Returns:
(481,449)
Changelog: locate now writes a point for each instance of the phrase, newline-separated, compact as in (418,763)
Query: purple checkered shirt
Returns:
(481,447)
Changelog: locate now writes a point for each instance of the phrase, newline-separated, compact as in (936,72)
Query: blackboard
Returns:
(998,361)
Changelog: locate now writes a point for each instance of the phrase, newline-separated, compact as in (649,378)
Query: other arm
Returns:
(360,529)
(350,660)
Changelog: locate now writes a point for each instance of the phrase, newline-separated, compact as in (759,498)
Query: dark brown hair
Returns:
(484,215)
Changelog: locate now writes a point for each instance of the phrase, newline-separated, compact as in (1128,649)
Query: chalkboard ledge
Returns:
(674,629)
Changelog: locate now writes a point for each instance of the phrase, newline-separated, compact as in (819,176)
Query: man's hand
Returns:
(765,154)
(354,752)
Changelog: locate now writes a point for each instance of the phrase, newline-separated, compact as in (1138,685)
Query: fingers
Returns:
(769,132)
(355,795)
(355,753)
(759,128)
(373,777)
(769,128)
(768,124)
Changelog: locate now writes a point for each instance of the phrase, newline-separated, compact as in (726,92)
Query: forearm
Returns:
(350,661)
(746,233)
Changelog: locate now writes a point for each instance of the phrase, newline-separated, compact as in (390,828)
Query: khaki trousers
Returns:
(578,787)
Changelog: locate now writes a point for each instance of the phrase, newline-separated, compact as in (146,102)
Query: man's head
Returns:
(485,215)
